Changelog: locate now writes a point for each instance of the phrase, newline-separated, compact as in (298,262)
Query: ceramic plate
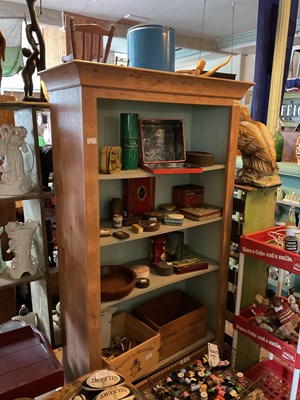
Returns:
(103,379)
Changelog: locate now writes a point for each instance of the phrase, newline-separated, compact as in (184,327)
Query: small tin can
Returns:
(158,250)
(117,221)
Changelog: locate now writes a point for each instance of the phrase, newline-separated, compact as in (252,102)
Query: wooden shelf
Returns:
(288,203)
(187,224)
(6,281)
(141,173)
(28,196)
(158,281)
(29,206)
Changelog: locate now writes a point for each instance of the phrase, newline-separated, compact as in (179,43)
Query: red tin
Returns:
(188,195)
(163,147)
(158,250)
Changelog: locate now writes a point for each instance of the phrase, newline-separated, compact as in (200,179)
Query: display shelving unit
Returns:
(86,100)
(253,210)
(256,245)
(32,206)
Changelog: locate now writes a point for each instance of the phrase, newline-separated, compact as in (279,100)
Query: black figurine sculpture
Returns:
(28,71)
(50,243)
(36,57)
(46,165)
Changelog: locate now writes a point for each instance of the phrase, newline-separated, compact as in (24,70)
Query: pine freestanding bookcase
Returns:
(86,100)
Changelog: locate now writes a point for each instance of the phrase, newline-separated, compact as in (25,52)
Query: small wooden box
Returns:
(188,195)
(179,318)
(141,359)
(200,158)
(138,196)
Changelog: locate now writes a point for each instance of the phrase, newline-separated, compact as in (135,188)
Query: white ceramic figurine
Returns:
(14,180)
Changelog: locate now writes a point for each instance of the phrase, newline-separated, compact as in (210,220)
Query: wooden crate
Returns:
(142,358)
(179,318)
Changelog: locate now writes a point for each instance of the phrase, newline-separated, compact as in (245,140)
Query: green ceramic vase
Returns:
(279,143)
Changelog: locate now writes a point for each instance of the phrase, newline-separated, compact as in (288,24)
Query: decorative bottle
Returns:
(291,242)
(291,218)
(279,141)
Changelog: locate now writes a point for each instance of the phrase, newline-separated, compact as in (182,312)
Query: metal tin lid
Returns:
(164,268)
(167,207)
(151,26)
(142,283)
(141,271)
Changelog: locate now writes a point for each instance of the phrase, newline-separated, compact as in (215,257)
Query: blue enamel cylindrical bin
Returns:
(151,46)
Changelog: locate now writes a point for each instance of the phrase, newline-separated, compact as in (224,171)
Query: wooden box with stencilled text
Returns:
(179,318)
(143,353)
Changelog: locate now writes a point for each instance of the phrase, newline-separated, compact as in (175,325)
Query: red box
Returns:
(285,351)
(28,365)
(188,195)
(260,244)
(138,196)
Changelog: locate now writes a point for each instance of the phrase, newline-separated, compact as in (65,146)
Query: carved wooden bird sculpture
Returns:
(257,146)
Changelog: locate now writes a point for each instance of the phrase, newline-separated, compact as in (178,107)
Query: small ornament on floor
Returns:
(23,310)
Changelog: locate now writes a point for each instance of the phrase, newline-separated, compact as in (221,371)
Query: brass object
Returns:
(118,346)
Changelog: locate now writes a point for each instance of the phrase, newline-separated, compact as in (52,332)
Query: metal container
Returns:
(152,47)
(129,140)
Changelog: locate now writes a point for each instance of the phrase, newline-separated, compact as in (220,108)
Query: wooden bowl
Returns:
(116,282)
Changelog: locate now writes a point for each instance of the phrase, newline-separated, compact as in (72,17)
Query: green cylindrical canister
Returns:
(129,140)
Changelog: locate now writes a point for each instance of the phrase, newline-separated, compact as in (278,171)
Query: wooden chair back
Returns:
(90,47)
